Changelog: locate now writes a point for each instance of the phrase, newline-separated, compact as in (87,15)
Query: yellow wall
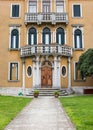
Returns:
(7,56)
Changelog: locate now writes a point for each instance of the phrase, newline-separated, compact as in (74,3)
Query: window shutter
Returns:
(76,10)
(15,10)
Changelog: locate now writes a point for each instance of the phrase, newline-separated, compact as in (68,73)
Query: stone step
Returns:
(48,92)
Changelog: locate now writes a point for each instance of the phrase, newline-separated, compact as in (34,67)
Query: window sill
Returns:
(14,49)
(15,17)
(13,80)
(80,17)
(78,49)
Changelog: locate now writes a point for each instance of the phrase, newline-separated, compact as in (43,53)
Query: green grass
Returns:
(10,107)
(80,111)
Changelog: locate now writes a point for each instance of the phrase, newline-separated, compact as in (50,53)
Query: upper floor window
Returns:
(77,10)
(78,38)
(59,6)
(46,36)
(60,36)
(14,39)
(32,36)
(15,10)
(32,6)
(13,72)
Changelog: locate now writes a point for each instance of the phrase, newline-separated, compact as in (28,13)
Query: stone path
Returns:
(44,113)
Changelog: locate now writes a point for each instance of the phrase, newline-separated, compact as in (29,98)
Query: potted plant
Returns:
(56,94)
(36,93)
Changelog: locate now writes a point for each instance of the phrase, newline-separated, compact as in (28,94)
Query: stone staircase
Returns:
(49,92)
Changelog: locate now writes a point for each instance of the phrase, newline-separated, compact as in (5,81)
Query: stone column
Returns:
(55,73)
(58,73)
(23,78)
(37,72)
(69,73)
(34,73)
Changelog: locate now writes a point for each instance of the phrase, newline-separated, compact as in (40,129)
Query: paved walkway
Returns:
(44,113)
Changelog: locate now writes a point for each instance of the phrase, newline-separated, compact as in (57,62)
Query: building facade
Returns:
(41,41)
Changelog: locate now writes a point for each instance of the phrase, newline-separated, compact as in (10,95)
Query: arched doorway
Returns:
(46,74)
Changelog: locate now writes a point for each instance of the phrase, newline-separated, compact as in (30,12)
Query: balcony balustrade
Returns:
(31,50)
(46,17)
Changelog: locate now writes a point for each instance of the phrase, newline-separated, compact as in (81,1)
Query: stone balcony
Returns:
(33,50)
(40,18)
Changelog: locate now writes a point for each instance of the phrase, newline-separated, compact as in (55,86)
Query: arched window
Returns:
(46,36)
(14,39)
(60,36)
(32,36)
(78,38)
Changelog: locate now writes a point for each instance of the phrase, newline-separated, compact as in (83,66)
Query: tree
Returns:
(85,64)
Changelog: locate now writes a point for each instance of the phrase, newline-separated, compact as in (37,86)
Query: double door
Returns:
(46,77)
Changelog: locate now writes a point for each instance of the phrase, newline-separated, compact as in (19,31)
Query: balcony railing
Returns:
(46,17)
(31,50)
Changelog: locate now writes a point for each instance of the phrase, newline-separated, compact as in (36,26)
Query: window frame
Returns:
(80,10)
(81,29)
(27,73)
(63,31)
(9,73)
(35,35)
(44,33)
(10,33)
(66,71)
(12,10)
(32,5)
(75,76)
(62,5)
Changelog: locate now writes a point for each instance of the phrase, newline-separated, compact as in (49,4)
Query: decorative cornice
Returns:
(77,25)
(15,25)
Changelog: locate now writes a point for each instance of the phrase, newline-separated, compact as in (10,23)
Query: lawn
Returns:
(80,111)
(10,107)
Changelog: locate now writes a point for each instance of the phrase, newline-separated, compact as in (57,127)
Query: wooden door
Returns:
(46,77)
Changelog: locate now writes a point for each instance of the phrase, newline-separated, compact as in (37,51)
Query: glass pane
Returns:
(59,38)
(32,39)
(60,9)
(78,41)
(13,71)
(14,41)
(32,9)
(63,70)
(46,38)
(29,71)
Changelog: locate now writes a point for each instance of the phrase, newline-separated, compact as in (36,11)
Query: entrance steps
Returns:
(48,92)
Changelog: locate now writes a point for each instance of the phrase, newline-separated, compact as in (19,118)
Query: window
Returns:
(32,6)
(13,71)
(14,39)
(15,10)
(77,75)
(64,71)
(60,36)
(77,11)
(46,36)
(59,6)
(78,38)
(32,36)
(29,71)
